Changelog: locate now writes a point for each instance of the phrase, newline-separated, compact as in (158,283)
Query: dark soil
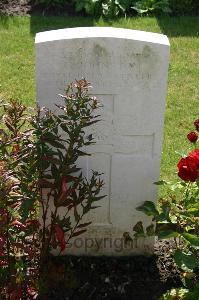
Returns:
(133,278)
(27,7)
(15,7)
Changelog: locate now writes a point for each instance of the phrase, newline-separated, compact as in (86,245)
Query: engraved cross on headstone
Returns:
(128,71)
(112,143)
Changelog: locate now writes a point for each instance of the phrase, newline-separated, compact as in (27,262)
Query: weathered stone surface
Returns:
(128,72)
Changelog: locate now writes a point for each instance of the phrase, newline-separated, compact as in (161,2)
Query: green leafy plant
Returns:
(39,172)
(183,7)
(177,217)
(90,7)
(115,8)
(18,196)
(152,6)
(60,175)
(106,8)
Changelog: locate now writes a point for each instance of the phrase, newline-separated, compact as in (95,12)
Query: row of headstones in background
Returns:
(128,72)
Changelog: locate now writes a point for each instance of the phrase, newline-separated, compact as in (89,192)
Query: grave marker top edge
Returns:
(104,32)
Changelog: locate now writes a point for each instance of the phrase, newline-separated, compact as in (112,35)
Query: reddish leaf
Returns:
(59,233)
(61,199)
(18,224)
(83,225)
(64,185)
(2,242)
(16,294)
(34,223)
(79,232)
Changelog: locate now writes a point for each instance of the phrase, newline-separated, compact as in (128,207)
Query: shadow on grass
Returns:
(171,26)
(179,26)
(39,23)
(186,26)
(4,22)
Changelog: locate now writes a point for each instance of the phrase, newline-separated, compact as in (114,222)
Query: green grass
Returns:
(17,63)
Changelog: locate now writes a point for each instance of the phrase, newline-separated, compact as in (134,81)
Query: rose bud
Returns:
(192,137)
(196,124)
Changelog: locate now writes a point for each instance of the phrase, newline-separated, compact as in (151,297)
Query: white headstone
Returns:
(128,72)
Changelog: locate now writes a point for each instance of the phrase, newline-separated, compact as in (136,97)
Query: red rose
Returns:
(192,137)
(195,155)
(196,123)
(188,169)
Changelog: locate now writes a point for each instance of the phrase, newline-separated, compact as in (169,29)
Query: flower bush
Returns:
(177,217)
(39,175)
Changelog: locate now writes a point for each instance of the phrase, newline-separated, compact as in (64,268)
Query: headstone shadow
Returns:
(170,26)
(39,23)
